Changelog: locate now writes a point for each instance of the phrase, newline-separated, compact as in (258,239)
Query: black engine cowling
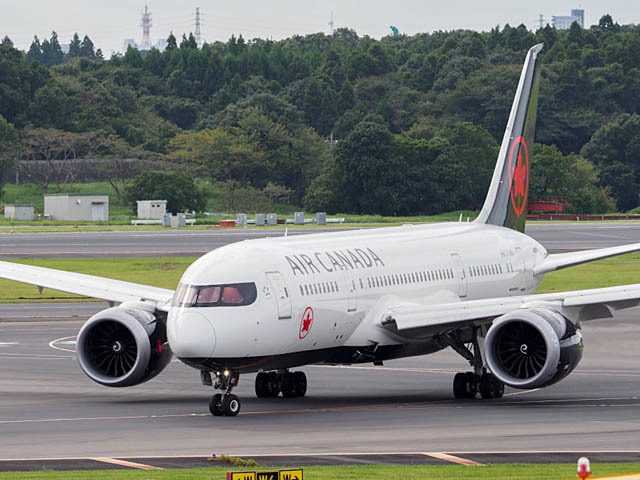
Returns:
(532,348)
(123,346)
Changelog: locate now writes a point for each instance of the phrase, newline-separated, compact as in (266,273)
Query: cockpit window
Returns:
(235,294)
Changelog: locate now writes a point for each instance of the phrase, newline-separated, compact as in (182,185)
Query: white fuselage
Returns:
(319,293)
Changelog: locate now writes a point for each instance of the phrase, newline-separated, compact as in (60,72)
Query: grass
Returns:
(609,272)
(165,272)
(350,472)
(162,272)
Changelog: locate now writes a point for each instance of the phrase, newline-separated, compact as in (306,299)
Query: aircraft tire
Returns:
(300,383)
(215,405)
(230,405)
(263,389)
(465,385)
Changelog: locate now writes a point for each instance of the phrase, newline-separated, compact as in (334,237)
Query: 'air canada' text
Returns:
(335,260)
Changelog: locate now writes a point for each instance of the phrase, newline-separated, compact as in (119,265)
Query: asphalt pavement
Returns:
(185,242)
(402,412)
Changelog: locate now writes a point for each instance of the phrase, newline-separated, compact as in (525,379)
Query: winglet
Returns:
(506,202)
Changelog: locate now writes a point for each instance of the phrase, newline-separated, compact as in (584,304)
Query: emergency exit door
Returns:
(283,299)
(461,275)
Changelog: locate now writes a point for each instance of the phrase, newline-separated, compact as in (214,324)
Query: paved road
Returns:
(555,238)
(48,408)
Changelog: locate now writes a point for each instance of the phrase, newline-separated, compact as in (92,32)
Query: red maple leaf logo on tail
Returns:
(519,169)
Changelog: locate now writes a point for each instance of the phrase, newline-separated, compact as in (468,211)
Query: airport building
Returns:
(77,206)
(19,212)
(152,208)
(564,22)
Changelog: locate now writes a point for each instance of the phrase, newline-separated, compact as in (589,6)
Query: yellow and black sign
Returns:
(266,475)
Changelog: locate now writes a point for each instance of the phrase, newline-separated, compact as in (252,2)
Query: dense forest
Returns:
(397,126)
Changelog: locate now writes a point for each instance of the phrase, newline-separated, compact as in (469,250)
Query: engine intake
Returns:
(123,346)
(532,348)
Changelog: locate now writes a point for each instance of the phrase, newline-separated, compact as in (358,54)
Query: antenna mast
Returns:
(146,29)
(198,38)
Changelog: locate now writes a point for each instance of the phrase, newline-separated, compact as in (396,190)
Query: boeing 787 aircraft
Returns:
(274,304)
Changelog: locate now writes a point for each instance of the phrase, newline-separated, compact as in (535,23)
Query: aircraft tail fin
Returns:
(506,202)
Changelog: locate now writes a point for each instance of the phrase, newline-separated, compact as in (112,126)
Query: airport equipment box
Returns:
(77,206)
(19,212)
(152,208)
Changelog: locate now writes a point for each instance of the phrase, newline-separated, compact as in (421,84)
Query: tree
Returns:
(53,156)
(9,150)
(172,43)
(133,58)
(613,149)
(319,106)
(74,46)
(35,51)
(87,49)
(366,158)
(178,188)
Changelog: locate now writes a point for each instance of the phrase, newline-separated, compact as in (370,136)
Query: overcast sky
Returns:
(109,22)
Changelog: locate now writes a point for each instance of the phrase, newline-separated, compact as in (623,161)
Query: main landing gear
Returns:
(467,385)
(291,384)
(223,404)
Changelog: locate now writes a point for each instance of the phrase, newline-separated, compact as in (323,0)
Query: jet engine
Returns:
(123,346)
(532,348)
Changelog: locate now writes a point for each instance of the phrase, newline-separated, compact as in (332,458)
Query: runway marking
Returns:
(33,356)
(8,344)
(452,458)
(125,463)
(63,339)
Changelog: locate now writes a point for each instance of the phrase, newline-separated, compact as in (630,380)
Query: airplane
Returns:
(365,296)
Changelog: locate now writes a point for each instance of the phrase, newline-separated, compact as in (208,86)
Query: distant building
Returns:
(77,206)
(151,208)
(160,45)
(564,22)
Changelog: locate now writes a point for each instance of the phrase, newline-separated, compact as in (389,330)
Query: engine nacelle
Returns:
(532,348)
(123,346)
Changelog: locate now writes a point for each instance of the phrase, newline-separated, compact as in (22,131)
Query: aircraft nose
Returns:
(190,334)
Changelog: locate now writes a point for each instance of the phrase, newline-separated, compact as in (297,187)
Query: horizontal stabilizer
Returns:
(564,260)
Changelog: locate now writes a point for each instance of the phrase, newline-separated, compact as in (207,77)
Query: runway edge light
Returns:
(584,468)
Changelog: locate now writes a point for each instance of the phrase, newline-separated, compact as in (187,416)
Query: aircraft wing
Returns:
(108,289)
(564,260)
(580,304)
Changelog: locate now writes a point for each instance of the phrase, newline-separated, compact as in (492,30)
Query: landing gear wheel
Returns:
(490,386)
(300,381)
(288,386)
(465,385)
(263,387)
(230,405)
(215,405)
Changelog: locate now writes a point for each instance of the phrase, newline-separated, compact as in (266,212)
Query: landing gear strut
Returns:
(223,404)
(291,384)
(467,385)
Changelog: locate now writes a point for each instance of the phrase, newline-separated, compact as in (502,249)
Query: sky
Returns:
(109,22)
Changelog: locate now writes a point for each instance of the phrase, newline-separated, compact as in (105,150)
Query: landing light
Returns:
(226,373)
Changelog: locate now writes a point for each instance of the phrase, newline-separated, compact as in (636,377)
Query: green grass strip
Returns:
(369,472)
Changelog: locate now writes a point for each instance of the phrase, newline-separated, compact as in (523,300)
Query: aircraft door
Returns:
(461,275)
(352,294)
(283,299)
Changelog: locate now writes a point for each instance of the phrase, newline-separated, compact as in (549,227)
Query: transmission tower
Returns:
(541,21)
(331,24)
(146,29)
(198,41)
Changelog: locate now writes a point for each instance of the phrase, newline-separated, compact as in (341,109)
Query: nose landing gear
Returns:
(223,404)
